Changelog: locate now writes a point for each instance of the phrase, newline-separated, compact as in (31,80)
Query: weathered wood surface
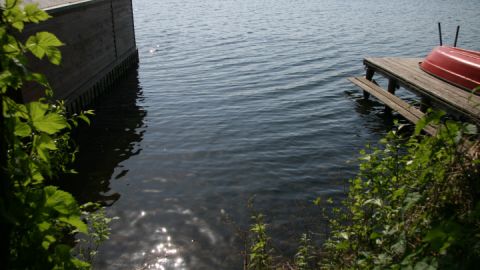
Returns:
(406,72)
(406,110)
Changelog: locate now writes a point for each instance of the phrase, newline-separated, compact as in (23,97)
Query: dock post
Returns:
(368,76)
(425,103)
(392,85)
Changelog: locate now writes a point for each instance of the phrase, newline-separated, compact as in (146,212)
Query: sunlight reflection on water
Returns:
(234,99)
(164,255)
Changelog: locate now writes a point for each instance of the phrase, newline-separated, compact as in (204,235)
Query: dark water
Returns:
(234,99)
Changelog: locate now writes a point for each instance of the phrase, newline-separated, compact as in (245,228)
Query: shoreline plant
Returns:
(38,220)
(415,204)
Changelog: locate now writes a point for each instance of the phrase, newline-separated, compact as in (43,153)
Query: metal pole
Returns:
(456,36)
(440,33)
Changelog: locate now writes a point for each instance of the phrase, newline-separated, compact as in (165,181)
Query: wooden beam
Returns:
(406,110)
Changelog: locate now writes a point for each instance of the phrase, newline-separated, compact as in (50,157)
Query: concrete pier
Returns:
(99,47)
(44,4)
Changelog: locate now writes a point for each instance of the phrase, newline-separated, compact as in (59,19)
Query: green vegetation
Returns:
(305,256)
(98,231)
(413,205)
(259,256)
(37,219)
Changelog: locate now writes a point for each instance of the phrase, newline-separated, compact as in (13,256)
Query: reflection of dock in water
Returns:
(112,137)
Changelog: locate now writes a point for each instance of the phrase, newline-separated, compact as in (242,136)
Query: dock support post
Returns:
(368,76)
(425,103)
(392,85)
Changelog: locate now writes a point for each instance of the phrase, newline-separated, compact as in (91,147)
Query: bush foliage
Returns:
(413,205)
(37,219)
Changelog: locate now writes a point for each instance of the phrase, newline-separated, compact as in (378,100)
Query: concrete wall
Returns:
(43,4)
(100,46)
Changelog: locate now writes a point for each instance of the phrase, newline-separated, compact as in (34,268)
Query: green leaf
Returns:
(411,199)
(11,3)
(51,123)
(343,235)
(399,247)
(11,46)
(43,143)
(37,77)
(54,55)
(432,117)
(421,124)
(375,235)
(48,240)
(60,201)
(8,80)
(36,175)
(423,265)
(399,192)
(36,110)
(44,43)
(76,222)
(84,118)
(374,201)
(14,15)
(383,259)
(89,112)
(79,264)
(34,14)
(343,245)
(44,225)
(22,129)
(21,111)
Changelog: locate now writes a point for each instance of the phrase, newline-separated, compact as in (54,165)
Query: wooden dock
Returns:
(406,72)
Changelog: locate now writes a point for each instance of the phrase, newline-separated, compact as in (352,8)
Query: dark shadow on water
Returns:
(378,120)
(113,136)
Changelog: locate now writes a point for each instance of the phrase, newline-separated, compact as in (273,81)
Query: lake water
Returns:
(234,100)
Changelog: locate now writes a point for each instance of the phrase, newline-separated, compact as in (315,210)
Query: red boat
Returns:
(456,66)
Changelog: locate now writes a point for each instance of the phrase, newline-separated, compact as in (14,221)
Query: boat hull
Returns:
(454,65)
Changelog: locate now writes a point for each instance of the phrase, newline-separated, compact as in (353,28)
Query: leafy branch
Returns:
(36,217)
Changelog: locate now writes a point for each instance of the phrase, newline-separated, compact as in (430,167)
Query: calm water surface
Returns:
(241,99)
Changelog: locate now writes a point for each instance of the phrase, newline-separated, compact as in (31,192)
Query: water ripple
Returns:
(241,99)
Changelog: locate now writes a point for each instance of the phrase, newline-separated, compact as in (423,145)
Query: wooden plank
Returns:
(427,81)
(418,80)
(409,74)
(392,101)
